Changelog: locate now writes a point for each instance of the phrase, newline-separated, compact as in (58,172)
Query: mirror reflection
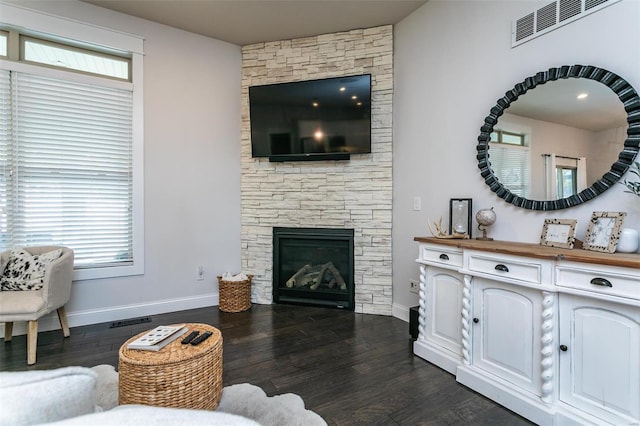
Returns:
(558,139)
(509,149)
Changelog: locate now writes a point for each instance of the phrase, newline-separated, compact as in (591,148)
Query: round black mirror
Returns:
(511,193)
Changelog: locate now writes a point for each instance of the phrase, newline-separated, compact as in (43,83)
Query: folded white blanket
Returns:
(238,277)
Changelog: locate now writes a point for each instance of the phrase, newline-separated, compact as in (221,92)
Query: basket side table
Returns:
(179,376)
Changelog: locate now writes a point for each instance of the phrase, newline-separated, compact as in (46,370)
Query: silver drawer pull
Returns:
(501,267)
(444,257)
(601,281)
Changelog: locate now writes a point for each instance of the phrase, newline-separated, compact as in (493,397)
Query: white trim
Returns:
(69,28)
(97,316)
(6,64)
(137,268)
(138,165)
(400,312)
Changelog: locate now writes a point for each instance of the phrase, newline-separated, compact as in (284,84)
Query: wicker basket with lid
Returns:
(180,376)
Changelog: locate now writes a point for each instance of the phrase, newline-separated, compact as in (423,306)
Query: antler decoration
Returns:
(442,234)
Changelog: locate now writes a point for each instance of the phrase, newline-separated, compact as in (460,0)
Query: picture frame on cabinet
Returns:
(559,233)
(603,232)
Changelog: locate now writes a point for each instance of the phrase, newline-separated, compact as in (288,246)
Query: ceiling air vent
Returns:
(552,16)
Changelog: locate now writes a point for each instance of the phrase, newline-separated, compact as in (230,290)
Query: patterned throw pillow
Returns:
(26,272)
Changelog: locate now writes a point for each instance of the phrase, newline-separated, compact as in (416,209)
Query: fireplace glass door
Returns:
(313,266)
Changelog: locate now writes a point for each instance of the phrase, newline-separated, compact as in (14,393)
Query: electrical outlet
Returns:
(199,273)
(414,286)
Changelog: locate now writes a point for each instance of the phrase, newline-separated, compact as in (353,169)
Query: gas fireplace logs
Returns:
(314,276)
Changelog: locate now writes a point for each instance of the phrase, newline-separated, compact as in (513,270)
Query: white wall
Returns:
(192,171)
(453,60)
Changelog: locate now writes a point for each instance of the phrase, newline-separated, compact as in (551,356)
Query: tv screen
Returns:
(317,119)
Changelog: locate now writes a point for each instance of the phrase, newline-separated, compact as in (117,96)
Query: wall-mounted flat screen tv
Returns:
(311,120)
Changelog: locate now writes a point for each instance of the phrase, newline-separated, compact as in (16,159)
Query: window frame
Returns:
(501,137)
(5,35)
(524,135)
(71,47)
(560,169)
(56,27)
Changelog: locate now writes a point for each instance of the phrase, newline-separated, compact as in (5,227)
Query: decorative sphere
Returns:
(486,217)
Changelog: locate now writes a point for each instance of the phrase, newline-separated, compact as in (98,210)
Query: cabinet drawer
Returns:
(621,282)
(531,271)
(440,255)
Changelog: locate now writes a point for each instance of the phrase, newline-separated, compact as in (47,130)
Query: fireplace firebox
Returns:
(313,266)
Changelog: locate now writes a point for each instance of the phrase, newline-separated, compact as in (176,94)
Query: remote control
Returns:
(201,338)
(190,337)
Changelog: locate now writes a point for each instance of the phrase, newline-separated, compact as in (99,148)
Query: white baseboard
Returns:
(96,316)
(400,312)
(88,317)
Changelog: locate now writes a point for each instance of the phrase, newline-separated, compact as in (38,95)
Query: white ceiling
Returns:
(245,22)
(556,102)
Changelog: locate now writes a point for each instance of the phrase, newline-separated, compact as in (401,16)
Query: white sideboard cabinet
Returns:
(506,333)
(552,334)
(599,341)
(441,288)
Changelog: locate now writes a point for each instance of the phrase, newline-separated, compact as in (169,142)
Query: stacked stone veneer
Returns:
(354,194)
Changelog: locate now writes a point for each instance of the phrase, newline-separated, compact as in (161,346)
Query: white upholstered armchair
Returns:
(28,295)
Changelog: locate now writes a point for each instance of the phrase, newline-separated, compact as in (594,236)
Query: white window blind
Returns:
(5,137)
(511,165)
(68,168)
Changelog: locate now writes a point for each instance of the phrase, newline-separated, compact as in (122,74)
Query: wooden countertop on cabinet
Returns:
(628,260)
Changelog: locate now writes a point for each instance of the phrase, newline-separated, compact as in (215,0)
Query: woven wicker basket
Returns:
(180,376)
(235,296)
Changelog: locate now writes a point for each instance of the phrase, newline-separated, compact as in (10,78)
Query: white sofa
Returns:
(75,396)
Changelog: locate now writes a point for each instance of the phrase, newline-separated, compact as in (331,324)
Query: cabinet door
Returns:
(599,358)
(506,332)
(444,308)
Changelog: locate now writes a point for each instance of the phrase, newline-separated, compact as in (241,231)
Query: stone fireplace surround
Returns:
(354,194)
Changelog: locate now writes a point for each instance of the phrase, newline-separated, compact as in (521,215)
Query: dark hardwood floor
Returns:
(352,369)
